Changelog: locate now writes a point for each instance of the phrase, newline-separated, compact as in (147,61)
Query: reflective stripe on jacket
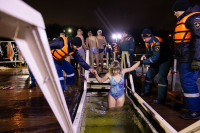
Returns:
(152,51)
(116,49)
(154,42)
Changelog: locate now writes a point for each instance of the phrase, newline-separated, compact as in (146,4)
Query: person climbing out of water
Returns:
(116,95)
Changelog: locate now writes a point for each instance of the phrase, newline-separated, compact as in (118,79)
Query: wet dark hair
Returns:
(76,41)
(115,65)
(90,32)
(79,30)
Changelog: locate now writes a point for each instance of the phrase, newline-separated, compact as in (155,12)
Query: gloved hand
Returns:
(195,65)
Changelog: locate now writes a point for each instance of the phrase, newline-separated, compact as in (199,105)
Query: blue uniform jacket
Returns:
(127,44)
(152,51)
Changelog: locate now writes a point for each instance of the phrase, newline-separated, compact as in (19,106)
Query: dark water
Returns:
(98,119)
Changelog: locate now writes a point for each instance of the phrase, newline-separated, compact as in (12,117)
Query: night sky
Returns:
(111,15)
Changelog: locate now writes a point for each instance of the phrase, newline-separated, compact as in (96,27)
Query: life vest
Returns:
(61,54)
(128,38)
(116,49)
(182,34)
(10,52)
(159,39)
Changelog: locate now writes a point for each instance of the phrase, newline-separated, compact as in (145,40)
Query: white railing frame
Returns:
(25,25)
(79,114)
(166,126)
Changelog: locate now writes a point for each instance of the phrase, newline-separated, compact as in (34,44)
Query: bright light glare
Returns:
(119,36)
(69,30)
(114,36)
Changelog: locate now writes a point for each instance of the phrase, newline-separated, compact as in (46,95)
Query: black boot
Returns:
(70,89)
(67,98)
(32,85)
(158,101)
(143,94)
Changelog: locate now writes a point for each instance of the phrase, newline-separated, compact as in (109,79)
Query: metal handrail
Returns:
(147,107)
(79,113)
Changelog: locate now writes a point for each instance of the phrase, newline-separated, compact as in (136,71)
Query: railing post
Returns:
(174,75)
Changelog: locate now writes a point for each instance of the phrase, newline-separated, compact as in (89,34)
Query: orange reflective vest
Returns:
(182,34)
(61,54)
(116,49)
(159,39)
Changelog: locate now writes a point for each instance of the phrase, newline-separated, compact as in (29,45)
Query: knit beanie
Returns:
(181,5)
(147,33)
(76,41)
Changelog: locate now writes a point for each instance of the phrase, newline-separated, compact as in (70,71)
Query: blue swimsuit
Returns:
(117,89)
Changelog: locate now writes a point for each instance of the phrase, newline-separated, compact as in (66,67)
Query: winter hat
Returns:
(181,5)
(147,33)
(76,41)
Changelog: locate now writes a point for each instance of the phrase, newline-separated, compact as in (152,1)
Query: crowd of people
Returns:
(158,55)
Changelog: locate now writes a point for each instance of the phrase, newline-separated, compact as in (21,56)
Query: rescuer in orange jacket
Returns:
(116,46)
(60,50)
(187,46)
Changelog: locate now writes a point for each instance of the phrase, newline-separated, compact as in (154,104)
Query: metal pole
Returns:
(142,69)
(174,75)
(107,57)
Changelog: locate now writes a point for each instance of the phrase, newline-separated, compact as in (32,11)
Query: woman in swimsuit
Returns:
(116,95)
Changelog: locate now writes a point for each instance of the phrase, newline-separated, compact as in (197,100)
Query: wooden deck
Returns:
(26,110)
(172,109)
